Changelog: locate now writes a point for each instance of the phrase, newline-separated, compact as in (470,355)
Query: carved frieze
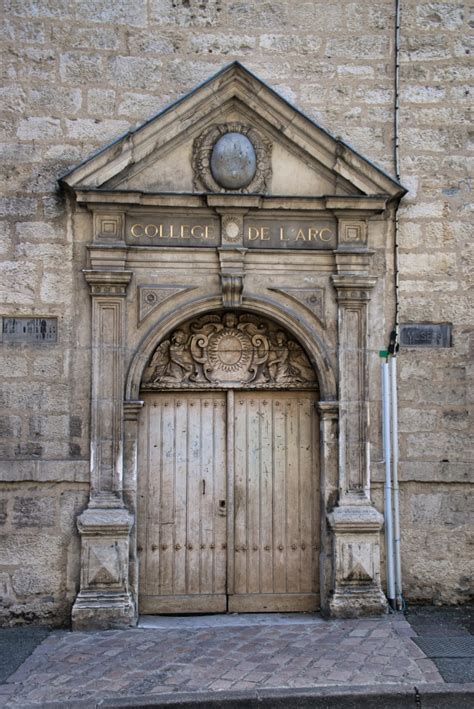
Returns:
(150,297)
(203,153)
(229,350)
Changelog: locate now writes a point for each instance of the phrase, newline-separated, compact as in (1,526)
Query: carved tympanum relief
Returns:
(222,163)
(229,350)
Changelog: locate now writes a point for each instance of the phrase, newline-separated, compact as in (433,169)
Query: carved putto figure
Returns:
(287,363)
(229,350)
(172,361)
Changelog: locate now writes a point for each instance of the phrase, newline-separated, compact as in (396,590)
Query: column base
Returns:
(103,611)
(356,591)
(357,603)
(104,600)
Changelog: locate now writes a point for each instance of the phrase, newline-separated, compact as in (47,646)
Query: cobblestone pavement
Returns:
(202,655)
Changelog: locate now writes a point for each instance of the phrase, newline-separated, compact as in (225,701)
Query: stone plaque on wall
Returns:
(426,335)
(26,329)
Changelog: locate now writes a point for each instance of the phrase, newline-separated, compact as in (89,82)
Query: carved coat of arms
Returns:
(229,350)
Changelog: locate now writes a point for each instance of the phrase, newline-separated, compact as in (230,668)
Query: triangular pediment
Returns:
(167,154)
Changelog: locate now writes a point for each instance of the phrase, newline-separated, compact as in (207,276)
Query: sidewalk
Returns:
(274,660)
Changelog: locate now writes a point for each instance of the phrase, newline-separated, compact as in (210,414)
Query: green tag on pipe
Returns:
(384,354)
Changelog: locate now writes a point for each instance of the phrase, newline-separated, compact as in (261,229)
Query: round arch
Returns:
(308,337)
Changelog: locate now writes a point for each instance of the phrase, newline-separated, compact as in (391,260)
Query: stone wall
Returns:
(79,74)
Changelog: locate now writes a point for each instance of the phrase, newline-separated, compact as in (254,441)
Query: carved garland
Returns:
(229,350)
(202,149)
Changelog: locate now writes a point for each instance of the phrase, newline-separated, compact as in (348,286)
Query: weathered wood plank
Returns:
(273,603)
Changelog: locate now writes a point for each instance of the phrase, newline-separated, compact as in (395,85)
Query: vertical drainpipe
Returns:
(389,558)
(396,508)
(394,339)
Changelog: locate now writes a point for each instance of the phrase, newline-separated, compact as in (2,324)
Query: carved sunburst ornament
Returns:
(230,351)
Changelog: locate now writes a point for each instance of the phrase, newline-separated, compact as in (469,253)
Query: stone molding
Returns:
(108,283)
(328,409)
(351,288)
(347,518)
(131,410)
(103,522)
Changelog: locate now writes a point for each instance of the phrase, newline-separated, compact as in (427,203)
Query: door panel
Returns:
(182,536)
(251,455)
(276,516)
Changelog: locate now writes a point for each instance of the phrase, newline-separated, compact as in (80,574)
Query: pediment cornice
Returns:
(232,91)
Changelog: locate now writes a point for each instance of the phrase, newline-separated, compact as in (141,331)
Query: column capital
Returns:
(131,409)
(328,409)
(353,288)
(353,261)
(355,518)
(109,283)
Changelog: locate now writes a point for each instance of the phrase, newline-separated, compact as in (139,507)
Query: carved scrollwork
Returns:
(229,350)
(202,149)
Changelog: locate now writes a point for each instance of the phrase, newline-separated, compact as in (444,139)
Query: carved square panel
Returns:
(108,226)
(352,232)
(357,562)
(105,563)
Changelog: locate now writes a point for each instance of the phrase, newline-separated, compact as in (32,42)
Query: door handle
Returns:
(222,509)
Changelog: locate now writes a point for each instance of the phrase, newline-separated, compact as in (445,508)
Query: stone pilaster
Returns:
(328,427)
(131,410)
(355,523)
(104,598)
(353,294)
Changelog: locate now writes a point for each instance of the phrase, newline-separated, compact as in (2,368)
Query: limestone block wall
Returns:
(78,74)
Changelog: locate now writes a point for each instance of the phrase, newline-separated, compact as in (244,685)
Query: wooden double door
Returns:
(228,502)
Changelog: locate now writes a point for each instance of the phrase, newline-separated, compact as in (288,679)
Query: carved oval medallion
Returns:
(233,161)
(232,156)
